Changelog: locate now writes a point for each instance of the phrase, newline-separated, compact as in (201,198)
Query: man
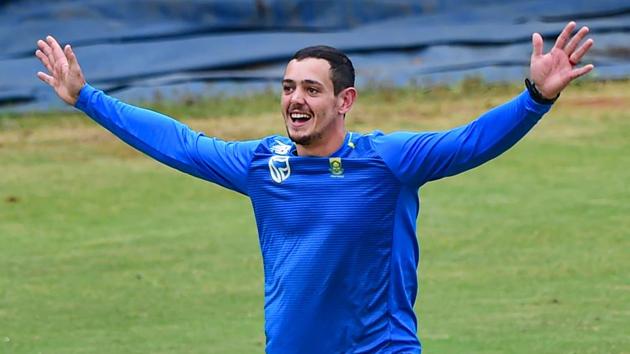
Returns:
(336,210)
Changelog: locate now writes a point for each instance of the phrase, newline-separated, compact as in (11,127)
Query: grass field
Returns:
(105,251)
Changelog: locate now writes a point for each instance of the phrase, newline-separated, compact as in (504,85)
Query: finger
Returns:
(60,59)
(45,48)
(537,44)
(579,53)
(575,73)
(575,40)
(72,58)
(564,35)
(44,59)
(46,78)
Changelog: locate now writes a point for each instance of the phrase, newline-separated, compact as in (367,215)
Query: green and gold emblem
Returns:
(335,166)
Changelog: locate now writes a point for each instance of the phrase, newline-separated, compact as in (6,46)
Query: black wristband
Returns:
(536,95)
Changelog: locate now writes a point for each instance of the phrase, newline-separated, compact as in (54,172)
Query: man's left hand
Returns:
(553,71)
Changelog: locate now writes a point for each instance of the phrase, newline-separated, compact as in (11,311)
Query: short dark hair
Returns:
(341,69)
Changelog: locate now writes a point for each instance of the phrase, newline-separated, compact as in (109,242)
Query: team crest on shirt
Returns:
(336,169)
(280,148)
(279,168)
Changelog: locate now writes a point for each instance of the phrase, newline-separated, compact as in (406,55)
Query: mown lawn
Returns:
(105,251)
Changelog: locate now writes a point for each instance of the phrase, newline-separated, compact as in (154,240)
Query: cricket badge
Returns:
(336,169)
(279,168)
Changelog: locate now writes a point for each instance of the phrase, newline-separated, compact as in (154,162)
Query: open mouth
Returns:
(299,117)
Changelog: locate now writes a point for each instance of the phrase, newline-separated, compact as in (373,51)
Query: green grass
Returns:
(105,251)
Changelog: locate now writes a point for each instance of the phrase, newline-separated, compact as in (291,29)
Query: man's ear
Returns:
(345,99)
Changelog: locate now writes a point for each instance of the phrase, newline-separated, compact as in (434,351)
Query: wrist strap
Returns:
(536,95)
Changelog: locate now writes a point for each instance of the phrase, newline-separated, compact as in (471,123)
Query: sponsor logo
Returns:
(279,168)
(280,148)
(336,170)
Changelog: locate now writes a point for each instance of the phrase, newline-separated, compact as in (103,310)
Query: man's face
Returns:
(309,104)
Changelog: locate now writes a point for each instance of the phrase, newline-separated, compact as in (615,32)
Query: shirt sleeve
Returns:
(417,158)
(171,142)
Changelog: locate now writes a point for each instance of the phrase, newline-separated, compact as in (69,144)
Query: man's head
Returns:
(341,69)
(317,91)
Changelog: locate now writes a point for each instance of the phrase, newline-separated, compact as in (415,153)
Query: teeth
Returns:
(299,116)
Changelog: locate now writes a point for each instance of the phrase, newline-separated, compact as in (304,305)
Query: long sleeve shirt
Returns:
(337,233)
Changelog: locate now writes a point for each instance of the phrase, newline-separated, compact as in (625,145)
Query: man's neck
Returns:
(326,147)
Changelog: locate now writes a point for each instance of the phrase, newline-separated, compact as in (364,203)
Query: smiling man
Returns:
(317,92)
(336,210)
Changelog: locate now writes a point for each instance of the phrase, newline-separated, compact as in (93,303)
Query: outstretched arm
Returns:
(421,157)
(159,136)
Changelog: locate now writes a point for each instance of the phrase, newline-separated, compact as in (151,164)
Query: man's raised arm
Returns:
(423,157)
(157,135)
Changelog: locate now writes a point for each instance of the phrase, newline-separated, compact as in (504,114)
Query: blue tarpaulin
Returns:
(140,50)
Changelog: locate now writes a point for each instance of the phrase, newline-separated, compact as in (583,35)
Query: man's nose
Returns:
(297,96)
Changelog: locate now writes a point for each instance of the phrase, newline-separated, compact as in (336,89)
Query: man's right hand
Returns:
(64,73)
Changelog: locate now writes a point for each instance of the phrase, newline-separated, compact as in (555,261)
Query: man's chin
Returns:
(303,139)
(299,139)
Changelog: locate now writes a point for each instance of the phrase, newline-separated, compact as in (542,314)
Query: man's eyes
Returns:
(309,90)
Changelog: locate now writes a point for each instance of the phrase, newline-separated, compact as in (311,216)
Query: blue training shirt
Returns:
(337,234)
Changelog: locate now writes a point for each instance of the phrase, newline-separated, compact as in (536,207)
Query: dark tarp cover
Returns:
(143,50)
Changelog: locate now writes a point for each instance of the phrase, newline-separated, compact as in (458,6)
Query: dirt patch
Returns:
(596,102)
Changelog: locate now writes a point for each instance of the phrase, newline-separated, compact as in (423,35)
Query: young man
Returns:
(336,210)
